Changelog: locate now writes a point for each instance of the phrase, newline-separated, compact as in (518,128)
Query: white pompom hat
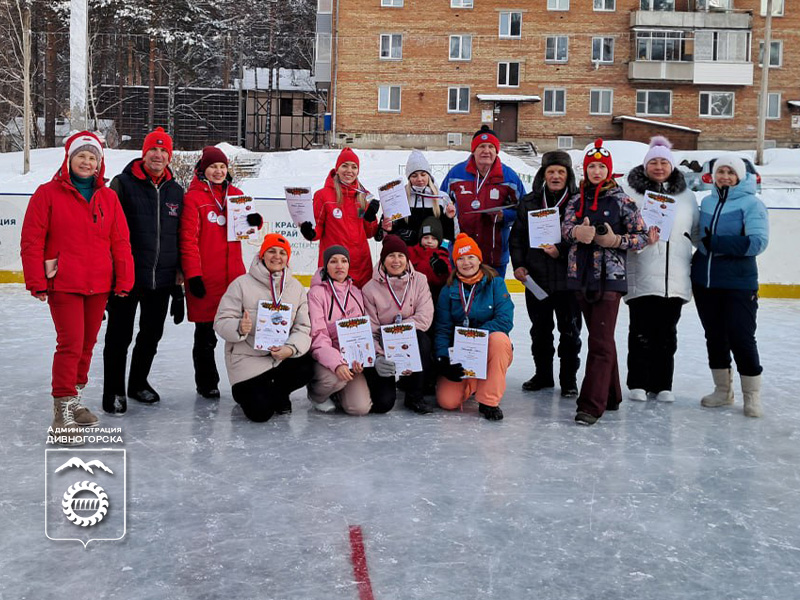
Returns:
(734,162)
(660,147)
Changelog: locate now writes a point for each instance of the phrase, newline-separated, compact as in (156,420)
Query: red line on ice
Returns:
(359,558)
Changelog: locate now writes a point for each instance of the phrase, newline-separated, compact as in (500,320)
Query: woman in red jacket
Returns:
(209,261)
(75,249)
(344,217)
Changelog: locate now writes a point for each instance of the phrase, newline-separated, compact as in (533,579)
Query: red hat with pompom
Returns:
(596,153)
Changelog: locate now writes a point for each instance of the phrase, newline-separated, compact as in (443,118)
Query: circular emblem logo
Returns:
(476,204)
(85,503)
(484,137)
(337,212)
(221,220)
(212,217)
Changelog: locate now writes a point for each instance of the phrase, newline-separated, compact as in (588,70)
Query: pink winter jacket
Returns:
(382,309)
(324,312)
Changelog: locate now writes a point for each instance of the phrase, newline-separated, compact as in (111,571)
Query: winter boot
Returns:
(143,393)
(416,403)
(569,385)
(540,381)
(751,390)
(83,416)
(115,404)
(65,430)
(490,413)
(723,389)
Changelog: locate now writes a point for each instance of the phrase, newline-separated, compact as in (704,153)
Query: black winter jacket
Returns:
(153,214)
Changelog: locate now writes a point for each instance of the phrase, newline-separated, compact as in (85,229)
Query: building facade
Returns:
(558,73)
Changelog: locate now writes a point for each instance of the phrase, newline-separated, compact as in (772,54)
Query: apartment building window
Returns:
(707,5)
(716,104)
(723,46)
(603,49)
(654,102)
(395,3)
(460,47)
(774,105)
(389,98)
(510,24)
(657,5)
(661,46)
(391,46)
(323,51)
(775,54)
(460,3)
(605,5)
(557,48)
(324,7)
(458,100)
(777,8)
(557,4)
(601,102)
(555,101)
(508,74)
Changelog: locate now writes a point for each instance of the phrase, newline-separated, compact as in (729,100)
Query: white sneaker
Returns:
(325,407)
(665,396)
(639,395)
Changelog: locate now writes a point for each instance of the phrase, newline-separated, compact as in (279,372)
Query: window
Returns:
(324,7)
(392,46)
(324,47)
(557,48)
(555,101)
(603,49)
(565,142)
(716,104)
(601,102)
(508,74)
(657,5)
(662,46)
(723,46)
(605,4)
(458,99)
(460,47)
(654,102)
(708,5)
(397,3)
(310,106)
(774,105)
(286,107)
(510,24)
(460,3)
(557,4)
(389,98)
(777,8)
(775,54)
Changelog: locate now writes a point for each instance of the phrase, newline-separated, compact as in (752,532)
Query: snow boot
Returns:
(66,431)
(751,390)
(490,413)
(723,389)
(83,416)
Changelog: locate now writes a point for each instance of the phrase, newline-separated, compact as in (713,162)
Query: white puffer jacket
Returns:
(664,269)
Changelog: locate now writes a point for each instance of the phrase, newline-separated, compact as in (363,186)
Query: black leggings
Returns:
(260,396)
(652,342)
(383,391)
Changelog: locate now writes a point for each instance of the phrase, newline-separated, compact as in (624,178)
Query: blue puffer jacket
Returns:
(492,309)
(739,228)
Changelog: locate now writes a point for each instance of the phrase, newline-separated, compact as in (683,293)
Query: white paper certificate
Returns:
(300,202)
(401,347)
(659,211)
(544,227)
(471,350)
(238,209)
(272,325)
(394,201)
(355,341)
(534,287)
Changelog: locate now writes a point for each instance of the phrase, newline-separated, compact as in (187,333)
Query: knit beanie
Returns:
(393,243)
(347,155)
(332,251)
(732,161)
(432,226)
(158,138)
(275,239)
(464,246)
(556,157)
(210,156)
(417,162)
(84,141)
(483,135)
(660,147)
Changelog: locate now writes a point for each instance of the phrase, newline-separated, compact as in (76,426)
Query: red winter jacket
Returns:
(205,249)
(343,226)
(421,259)
(90,239)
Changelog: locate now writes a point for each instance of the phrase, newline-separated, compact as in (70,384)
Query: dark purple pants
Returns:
(600,387)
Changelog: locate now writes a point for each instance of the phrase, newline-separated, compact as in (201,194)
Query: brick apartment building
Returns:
(427,73)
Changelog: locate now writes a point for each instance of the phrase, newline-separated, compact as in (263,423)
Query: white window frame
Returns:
(555,49)
(461,37)
(461,3)
(461,92)
(507,64)
(566,142)
(509,34)
(712,116)
(603,7)
(771,116)
(604,61)
(391,37)
(324,7)
(651,6)
(553,112)
(779,44)
(387,89)
(601,92)
(648,92)
(777,8)
(324,42)
(558,5)
(392,3)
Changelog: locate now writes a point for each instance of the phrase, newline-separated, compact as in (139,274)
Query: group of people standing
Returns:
(140,242)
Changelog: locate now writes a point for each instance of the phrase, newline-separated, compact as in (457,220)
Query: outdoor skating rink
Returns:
(656,501)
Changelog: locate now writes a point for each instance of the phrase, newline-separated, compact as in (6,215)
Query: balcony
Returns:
(710,73)
(691,20)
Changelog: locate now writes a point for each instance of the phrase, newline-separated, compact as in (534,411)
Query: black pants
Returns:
(652,342)
(260,396)
(729,321)
(206,376)
(383,391)
(153,306)
(568,316)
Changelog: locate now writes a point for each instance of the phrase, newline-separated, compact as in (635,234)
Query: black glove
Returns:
(439,265)
(177,309)
(706,240)
(307,231)
(372,211)
(453,372)
(255,220)
(197,287)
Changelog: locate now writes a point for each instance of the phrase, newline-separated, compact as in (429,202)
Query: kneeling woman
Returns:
(398,294)
(476,296)
(334,296)
(262,380)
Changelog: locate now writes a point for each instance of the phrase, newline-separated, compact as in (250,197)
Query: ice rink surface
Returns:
(654,502)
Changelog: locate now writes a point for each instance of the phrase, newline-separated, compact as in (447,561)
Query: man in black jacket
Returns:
(152,201)
(553,186)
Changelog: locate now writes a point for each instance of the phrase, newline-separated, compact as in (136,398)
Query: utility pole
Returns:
(763,99)
(26,92)
(78,53)
(270,66)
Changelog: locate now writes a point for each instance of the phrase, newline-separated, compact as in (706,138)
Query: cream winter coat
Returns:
(244,293)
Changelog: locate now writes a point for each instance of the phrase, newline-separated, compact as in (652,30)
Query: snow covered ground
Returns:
(654,502)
